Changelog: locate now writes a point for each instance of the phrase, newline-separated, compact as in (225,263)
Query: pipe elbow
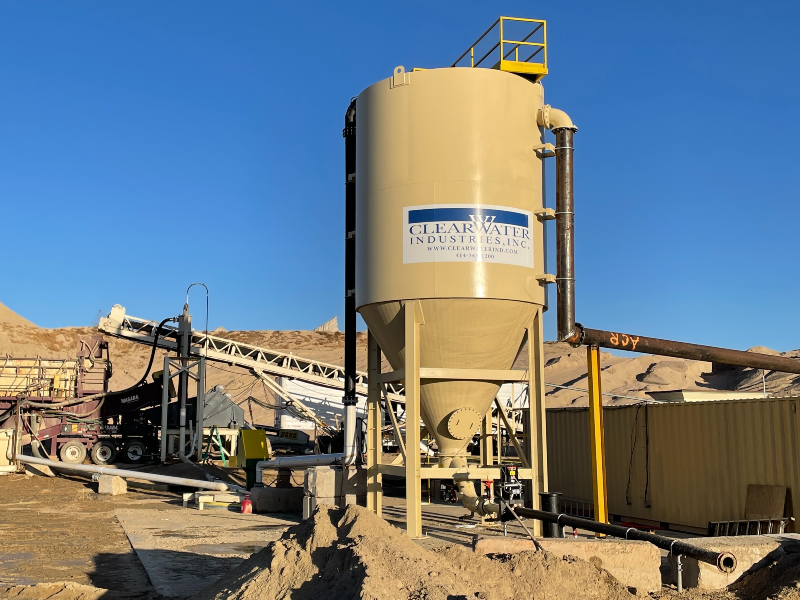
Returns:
(553,118)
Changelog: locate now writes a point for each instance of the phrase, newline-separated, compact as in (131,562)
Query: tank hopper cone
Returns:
(457,334)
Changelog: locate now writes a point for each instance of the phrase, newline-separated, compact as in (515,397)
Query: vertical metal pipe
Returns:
(549,503)
(184,333)
(201,405)
(565,239)
(349,134)
(165,379)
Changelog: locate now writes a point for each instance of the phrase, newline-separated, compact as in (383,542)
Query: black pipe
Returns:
(724,561)
(565,235)
(349,134)
(549,503)
(636,343)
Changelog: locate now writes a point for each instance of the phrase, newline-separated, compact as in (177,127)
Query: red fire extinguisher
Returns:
(247,505)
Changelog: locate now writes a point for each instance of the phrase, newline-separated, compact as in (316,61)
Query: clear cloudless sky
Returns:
(147,145)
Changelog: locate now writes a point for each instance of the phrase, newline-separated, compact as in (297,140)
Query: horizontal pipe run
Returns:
(645,345)
(724,561)
(194,483)
(297,462)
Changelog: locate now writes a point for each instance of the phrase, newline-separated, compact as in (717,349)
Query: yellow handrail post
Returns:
(501,38)
(598,446)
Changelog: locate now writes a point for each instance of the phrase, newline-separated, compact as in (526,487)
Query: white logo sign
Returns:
(467,233)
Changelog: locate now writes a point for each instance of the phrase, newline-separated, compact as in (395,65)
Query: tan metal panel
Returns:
(448,136)
(702,456)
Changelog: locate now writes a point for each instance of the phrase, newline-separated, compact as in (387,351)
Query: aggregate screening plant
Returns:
(446,213)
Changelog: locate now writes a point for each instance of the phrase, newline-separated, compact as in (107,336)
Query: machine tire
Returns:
(73,452)
(103,453)
(134,451)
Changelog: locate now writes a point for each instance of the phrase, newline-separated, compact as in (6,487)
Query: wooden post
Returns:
(598,446)
(374,427)
(413,318)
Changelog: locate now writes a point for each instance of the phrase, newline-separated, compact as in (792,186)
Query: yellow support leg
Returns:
(413,318)
(374,427)
(598,446)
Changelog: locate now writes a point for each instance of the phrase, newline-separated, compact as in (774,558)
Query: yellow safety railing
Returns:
(508,47)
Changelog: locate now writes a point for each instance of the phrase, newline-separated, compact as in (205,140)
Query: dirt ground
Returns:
(59,530)
(60,540)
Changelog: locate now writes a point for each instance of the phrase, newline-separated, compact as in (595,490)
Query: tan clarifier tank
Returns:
(448,184)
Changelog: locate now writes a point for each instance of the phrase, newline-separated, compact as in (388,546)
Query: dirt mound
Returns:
(9,316)
(352,553)
(624,379)
(781,580)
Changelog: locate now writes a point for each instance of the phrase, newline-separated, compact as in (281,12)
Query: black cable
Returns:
(646,457)
(634,437)
(105,394)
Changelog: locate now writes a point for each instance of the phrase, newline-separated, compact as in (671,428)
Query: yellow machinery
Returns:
(253,447)
(450,269)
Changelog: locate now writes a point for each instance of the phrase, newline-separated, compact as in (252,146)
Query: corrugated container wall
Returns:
(680,463)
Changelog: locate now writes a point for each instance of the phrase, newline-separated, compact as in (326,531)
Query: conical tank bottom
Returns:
(459,333)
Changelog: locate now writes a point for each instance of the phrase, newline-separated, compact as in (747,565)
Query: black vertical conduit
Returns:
(565,236)
(349,134)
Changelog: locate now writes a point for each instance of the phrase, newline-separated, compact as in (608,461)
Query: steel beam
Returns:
(597,434)
(413,318)
(374,429)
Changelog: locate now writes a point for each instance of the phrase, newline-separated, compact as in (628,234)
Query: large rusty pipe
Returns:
(565,236)
(646,345)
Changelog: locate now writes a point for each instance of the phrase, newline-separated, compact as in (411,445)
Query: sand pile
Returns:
(779,581)
(9,316)
(565,365)
(352,553)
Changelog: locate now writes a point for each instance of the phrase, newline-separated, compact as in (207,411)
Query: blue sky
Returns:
(147,145)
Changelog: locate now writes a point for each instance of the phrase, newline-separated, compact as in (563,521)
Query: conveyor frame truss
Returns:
(257,359)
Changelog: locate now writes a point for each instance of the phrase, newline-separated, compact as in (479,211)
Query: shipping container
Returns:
(681,464)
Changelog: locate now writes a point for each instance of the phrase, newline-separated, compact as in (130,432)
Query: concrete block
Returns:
(41,470)
(272,499)
(634,564)
(112,485)
(322,482)
(752,553)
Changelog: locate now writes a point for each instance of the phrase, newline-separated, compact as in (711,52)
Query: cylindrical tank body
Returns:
(447,185)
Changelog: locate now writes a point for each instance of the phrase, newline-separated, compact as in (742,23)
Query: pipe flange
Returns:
(543,118)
